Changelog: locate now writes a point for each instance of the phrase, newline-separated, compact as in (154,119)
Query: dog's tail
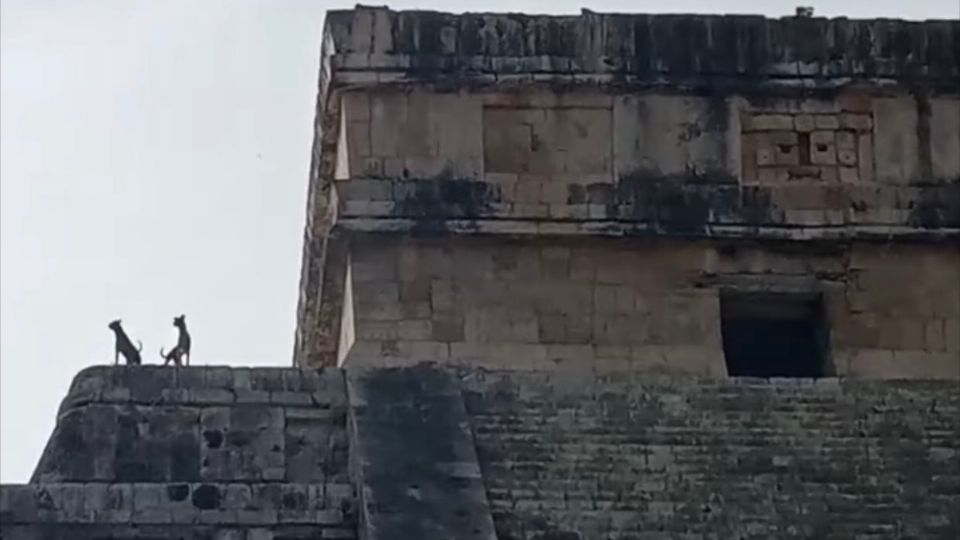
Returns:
(162,355)
(140,348)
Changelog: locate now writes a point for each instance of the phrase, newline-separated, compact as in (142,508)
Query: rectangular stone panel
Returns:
(547,140)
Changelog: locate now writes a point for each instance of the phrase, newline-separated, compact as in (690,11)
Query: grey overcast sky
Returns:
(153,161)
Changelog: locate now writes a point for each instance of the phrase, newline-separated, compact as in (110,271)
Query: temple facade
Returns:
(712,195)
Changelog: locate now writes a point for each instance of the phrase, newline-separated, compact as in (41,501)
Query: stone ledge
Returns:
(585,382)
(209,423)
(205,385)
(177,503)
(543,227)
(380,46)
(77,531)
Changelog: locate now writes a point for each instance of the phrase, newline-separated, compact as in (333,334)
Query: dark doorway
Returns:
(773,335)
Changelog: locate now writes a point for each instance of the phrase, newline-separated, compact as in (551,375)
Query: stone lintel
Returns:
(376,46)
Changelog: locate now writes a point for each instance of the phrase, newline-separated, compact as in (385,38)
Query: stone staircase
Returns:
(641,456)
(211,453)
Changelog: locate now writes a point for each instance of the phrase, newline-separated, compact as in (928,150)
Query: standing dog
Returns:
(182,348)
(124,346)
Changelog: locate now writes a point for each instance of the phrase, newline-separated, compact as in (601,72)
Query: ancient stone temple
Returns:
(577,278)
(693,194)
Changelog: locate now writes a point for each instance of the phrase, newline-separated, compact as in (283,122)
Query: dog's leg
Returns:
(116,357)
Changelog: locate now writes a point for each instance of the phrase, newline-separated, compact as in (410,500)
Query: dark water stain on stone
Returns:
(178,492)
(431,201)
(682,203)
(937,207)
(213,438)
(206,497)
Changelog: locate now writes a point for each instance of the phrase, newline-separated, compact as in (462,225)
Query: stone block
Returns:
(552,328)
(895,140)
(846,140)
(530,211)
(802,196)
(426,167)
(924,364)
(554,191)
(507,141)
(442,296)
(768,122)
(685,140)
(765,156)
(847,157)
(364,267)
(419,351)
(527,188)
(612,352)
(748,157)
(473,264)
(447,327)
(364,190)
(566,356)
(823,150)
(388,113)
(849,175)
(358,141)
(415,330)
(415,291)
(356,106)
(945,137)
(951,335)
(252,396)
(935,336)
(611,329)
(865,157)
(827,121)
(858,102)
(773,175)
(290,399)
(856,122)
(873,363)
(804,123)
(361,208)
(369,167)
(648,357)
(827,174)
(257,517)
(605,298)
(340,533)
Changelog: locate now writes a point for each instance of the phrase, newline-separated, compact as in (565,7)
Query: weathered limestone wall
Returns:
(609,305)
(419,452)
(866,162)
(193,453)
(686,128)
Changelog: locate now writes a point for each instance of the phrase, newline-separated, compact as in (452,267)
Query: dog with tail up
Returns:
(182,349)
(124,346)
